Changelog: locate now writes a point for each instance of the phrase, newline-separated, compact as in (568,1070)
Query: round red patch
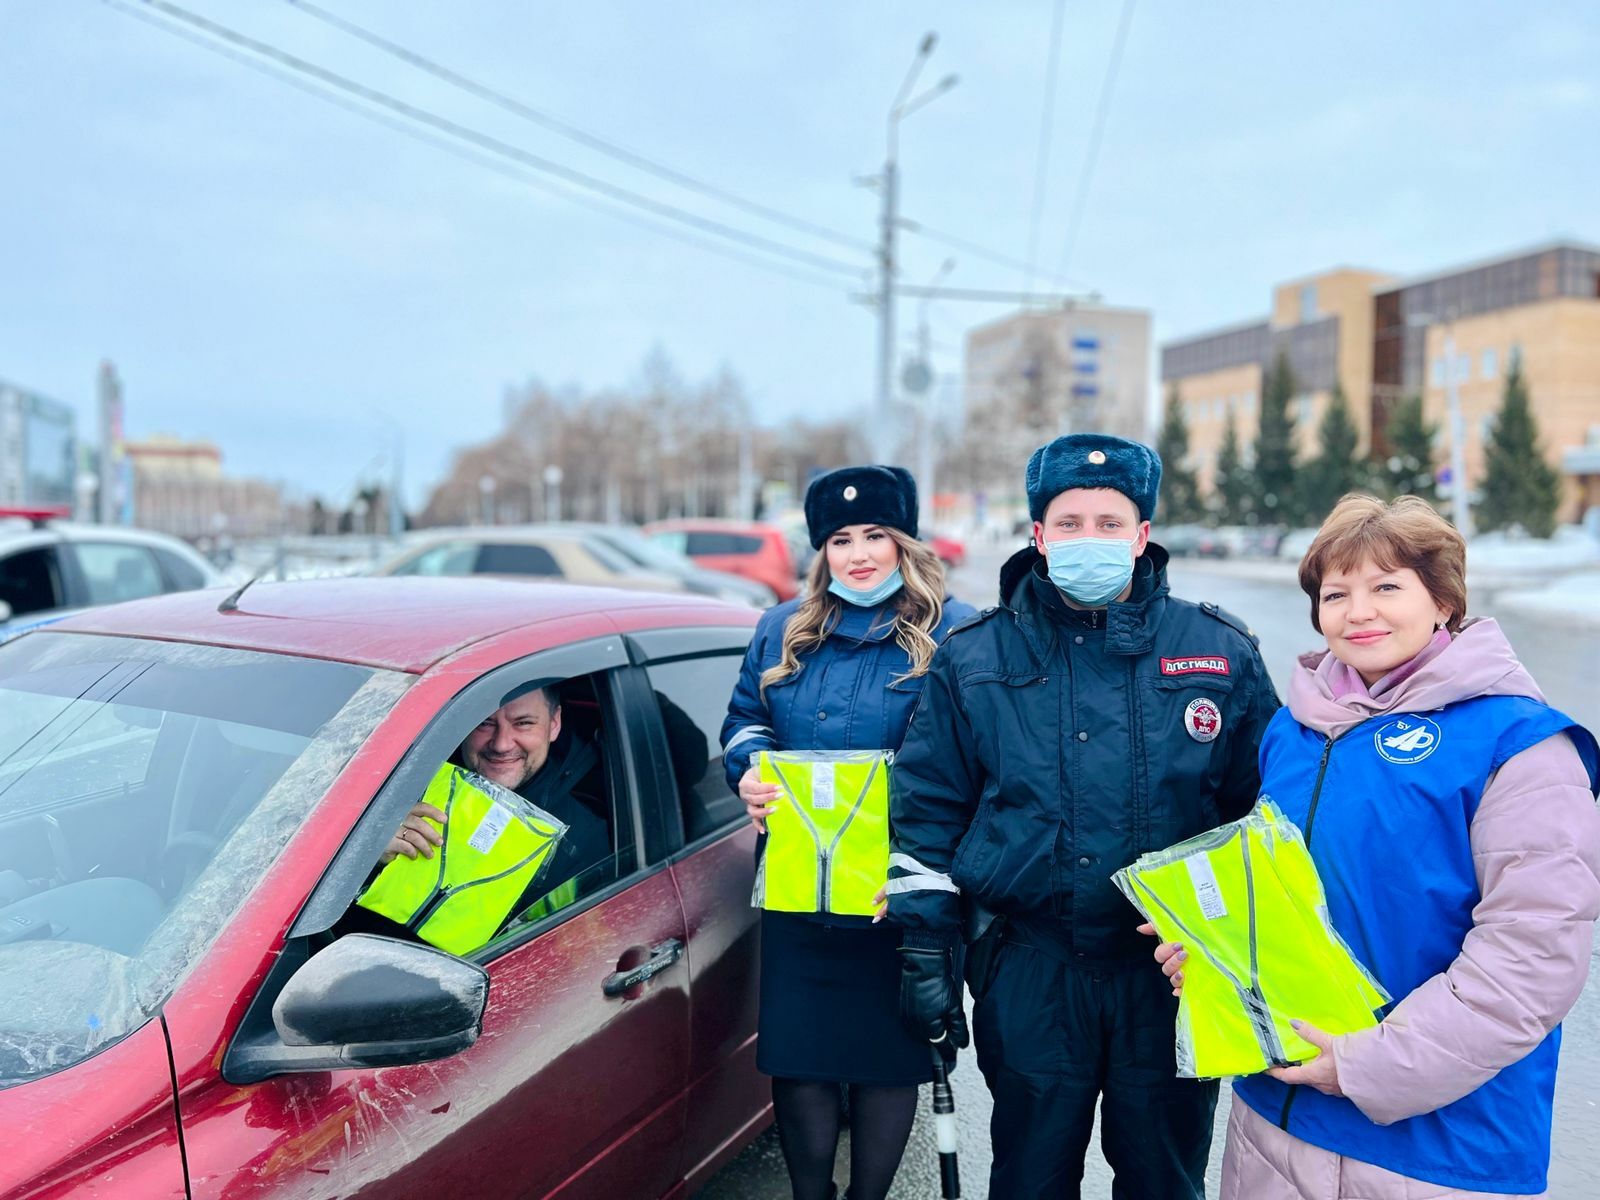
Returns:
(1203,720)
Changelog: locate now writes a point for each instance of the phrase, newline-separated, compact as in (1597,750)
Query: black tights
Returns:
(808,1130)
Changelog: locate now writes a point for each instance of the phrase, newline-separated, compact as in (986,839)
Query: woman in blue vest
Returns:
(840,669)
(1451,815)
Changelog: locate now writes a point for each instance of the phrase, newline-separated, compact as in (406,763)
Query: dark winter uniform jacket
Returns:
(1053,746)
(843,697)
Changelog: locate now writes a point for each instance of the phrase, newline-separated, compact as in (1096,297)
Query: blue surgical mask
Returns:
(1093,571)
(871,597)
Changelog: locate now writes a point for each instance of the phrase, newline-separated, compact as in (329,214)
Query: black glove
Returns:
(930,997)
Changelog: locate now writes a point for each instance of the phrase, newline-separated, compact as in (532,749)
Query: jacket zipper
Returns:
(1311,817)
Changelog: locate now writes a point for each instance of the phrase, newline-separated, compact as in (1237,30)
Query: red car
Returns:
(193,793)
(748,548)
(951,551)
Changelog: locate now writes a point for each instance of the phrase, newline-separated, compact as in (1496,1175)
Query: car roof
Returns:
(718,524)
(15,531)
(402,623)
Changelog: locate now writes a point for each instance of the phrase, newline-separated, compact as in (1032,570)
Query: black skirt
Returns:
(830,1004)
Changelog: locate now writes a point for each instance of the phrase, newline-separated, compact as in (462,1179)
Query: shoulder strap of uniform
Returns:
(1227,618)
(977,618)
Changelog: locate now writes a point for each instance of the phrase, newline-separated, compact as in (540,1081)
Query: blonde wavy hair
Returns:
(917,612)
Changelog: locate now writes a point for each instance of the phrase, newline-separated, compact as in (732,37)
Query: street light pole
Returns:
(925,480)
(1458,438)
(880,438)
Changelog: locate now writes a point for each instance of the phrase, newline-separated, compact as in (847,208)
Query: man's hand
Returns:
(930,998)
(759,798)
(1171,956)
(416,835)
(1321,1072)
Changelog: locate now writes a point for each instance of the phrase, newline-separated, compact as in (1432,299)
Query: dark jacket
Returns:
(1054,746)
(571,788)
(844,696)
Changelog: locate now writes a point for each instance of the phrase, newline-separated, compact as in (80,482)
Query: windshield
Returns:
(647,553)
(144,788)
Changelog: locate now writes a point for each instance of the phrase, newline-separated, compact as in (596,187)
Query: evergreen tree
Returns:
(1180,493)
(1408,471)
(1519,486)
(1232,485)
(1334,471)
(1274,476)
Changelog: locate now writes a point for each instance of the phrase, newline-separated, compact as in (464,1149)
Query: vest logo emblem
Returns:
(1407,740)
(1203,720)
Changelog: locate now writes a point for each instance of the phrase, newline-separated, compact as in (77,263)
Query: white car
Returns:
(49,569)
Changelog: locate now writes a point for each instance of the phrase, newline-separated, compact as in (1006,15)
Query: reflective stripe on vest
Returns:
(495,845)
(828,837)
(1246,902)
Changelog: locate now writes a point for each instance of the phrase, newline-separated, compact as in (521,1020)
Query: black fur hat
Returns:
(1093,460)
(861,496)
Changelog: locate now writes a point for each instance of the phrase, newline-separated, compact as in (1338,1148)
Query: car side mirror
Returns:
(366,1001)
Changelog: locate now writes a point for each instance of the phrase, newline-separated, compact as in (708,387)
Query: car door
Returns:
(574,1088)
(684,680)
(110,572)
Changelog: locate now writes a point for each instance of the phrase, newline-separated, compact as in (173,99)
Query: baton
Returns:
(944,1127)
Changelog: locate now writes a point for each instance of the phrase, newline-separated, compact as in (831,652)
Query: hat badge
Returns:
(850,492)
(1097,457)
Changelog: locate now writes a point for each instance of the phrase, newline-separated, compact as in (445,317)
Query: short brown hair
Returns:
(1406,532)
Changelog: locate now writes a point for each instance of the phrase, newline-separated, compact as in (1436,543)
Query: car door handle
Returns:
(661,957)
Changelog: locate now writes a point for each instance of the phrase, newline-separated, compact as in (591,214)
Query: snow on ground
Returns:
(1575,597)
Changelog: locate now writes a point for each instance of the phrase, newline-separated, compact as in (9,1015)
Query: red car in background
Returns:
(748,548)
(952,552)
(192,793)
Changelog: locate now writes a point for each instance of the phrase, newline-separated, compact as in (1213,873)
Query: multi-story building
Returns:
(1385,339)
(179,488)
(1079,367)
(1320,325)
(38,450)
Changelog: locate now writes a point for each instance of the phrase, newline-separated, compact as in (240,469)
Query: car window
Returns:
(557,763)
(692,694)
(182,573)
(717,542)
(448,558)
(515,558)
(144,788)
(30,580)
(115,571)
(674,540)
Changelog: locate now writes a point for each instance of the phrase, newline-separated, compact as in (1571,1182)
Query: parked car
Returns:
(952,552)
(648,554)
(50,568)
(1251,541)
(1191,541)
(178,1017)
(531,551)
(748,548)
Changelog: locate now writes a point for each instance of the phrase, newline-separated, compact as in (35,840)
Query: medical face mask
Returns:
(1092,571)
(871,597)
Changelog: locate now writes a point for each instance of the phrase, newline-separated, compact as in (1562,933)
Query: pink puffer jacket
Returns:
(1536,848)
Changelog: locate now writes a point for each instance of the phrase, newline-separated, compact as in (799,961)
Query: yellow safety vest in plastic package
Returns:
(828,838)
(495,845)
(1247,904)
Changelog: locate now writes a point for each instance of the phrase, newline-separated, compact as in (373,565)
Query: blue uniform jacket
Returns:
(843,698)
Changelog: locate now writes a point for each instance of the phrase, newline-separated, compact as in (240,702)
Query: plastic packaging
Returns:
(828,838)
(1246,902)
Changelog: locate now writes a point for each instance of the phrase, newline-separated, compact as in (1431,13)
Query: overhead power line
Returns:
(497,147)
(972,248)
(568,130)
(507,170)
(1092,153)
(1041,168)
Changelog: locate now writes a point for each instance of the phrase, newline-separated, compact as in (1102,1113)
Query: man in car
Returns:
(518,746)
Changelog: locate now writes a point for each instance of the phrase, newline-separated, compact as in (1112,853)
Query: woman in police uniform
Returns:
(840,669)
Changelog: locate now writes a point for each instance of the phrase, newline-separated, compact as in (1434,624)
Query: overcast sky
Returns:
(295,282)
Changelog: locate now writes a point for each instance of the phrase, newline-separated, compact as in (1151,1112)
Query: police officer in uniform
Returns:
(1088,718)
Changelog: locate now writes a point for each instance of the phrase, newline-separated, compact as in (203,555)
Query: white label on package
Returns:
(822,785)
(489,829)
(1205,887)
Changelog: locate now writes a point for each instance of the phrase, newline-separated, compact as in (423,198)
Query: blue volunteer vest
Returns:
(1386,809)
